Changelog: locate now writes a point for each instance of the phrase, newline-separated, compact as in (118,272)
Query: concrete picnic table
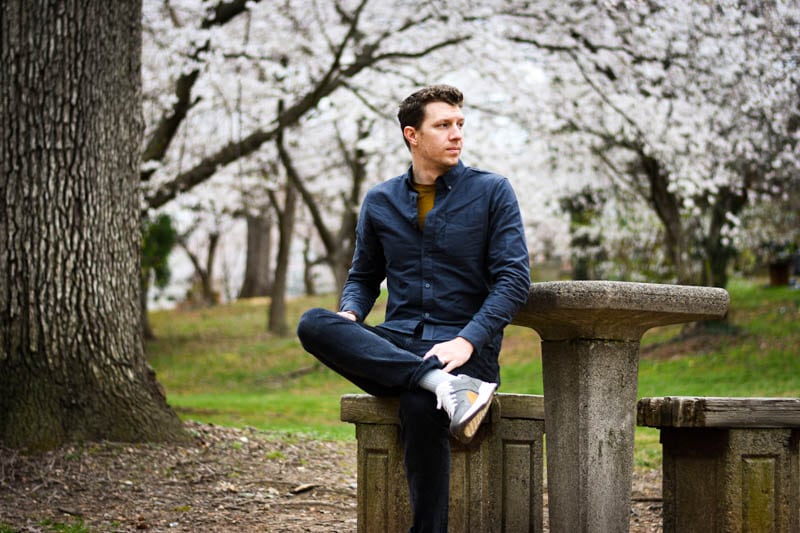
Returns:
(591,331)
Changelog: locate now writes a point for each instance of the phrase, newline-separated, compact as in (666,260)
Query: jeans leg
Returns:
(364,355)
(426,441)
(386,364)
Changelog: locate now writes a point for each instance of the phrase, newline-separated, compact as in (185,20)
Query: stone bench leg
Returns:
(495,481)
(728,465)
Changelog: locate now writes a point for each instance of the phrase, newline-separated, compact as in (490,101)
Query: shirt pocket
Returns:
(464,234)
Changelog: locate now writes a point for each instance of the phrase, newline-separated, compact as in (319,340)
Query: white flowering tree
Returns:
(681,112)
(215,77)
(235,72)
(690,106)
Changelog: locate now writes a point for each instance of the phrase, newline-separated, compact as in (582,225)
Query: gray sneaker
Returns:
(467,401)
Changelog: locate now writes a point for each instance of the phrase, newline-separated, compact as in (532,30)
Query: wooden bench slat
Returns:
(718,412)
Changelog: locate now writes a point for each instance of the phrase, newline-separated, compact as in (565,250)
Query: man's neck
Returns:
(426,175)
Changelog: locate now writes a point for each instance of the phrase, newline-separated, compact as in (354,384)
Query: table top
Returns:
(618,310)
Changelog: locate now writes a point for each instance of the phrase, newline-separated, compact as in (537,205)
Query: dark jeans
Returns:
(388,363)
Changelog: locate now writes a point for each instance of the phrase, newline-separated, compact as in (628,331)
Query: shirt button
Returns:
(427,285)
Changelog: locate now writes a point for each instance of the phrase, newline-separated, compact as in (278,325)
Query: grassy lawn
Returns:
(219,365)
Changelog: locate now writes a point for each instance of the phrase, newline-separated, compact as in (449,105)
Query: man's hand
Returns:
(349,315)
(452,353)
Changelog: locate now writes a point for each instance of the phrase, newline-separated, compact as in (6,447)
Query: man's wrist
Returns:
(351,313)
(467,342)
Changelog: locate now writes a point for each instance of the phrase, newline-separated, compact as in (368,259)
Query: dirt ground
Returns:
(229,479)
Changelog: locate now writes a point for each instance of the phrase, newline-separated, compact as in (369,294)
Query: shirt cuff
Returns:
(475,334)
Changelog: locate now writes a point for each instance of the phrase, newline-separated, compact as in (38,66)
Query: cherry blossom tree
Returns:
(682,112)
(214,78)
(683,104)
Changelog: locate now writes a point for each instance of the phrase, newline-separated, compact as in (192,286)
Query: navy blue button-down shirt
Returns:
(466,274)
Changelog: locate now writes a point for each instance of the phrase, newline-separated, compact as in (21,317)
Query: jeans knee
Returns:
(309,323)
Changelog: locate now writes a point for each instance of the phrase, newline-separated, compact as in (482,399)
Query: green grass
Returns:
(760,358)
(220,366)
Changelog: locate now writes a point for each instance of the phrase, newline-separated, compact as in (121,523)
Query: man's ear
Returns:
(410,133)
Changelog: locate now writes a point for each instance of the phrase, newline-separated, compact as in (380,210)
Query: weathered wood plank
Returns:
(718,412)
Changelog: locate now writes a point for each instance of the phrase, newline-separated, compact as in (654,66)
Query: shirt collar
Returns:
(449,178)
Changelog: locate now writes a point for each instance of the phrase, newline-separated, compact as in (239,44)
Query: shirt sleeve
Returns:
(368,269)
(508,267)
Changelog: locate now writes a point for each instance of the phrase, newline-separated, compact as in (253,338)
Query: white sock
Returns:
(433,378)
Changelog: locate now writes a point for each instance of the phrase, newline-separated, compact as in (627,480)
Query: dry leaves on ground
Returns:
(228,479)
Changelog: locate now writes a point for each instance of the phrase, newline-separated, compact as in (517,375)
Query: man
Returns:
(449,241)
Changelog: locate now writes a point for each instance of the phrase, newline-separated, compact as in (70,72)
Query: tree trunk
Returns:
(309,278)
(203,272)
(667,207)
(210,296)
(259,249)
(277,323)
(718,254)
(72,364)
(147,330)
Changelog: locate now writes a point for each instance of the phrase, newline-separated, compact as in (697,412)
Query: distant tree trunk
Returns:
(277,323)
(277,309)
(204,273)
(667,207)
(339,246)
(259,250)
(308,270)
(718,254)
(72,364)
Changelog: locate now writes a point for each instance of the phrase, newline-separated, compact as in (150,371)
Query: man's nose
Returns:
(456,133)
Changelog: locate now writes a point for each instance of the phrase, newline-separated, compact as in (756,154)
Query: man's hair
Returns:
(412,109)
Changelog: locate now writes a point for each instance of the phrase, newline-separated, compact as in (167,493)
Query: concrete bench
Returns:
(495,480)
(729,464)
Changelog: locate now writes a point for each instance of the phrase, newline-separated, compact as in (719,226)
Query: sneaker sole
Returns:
(466,429)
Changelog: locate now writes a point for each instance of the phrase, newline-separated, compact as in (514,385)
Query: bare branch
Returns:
(332,80)
(424,51)
(163,134)
(308,198)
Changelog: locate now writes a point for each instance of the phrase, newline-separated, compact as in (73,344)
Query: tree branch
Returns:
(332,80)
(295,181)
(163,134)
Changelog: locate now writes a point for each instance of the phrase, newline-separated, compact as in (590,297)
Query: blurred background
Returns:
(646,141)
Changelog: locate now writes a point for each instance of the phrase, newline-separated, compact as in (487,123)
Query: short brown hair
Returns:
(412,109)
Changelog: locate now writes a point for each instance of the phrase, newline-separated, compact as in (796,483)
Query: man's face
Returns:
(438,141)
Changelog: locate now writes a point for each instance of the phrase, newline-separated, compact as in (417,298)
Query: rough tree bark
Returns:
(72,364)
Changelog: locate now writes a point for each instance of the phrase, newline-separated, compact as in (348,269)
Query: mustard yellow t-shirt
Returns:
(425,196)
